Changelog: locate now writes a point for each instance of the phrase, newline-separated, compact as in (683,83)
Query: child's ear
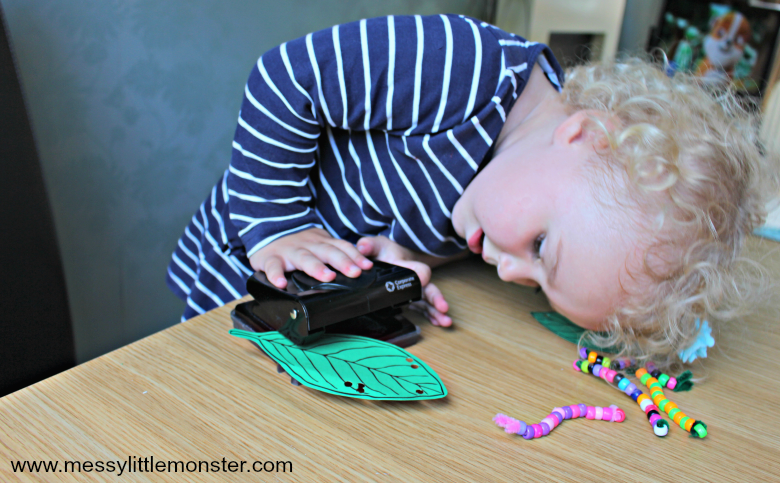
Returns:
(571,130)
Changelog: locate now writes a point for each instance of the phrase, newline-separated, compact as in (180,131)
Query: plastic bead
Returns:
(606,362)
(618,415)
(606,414)
(661,430)
(583,352)
(550,422)
(672,384)
(663,379)
(596,369)
(567,412)
(699,429)
(575,412)
(592,357)
(654,418)
(591,413)
(683,421)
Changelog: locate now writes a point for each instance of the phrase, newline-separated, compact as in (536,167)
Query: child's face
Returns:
(543,226)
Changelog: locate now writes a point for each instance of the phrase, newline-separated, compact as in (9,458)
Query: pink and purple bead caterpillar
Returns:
(592,365)
(556,417)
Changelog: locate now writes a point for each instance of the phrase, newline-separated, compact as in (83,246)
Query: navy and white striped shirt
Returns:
(369,128)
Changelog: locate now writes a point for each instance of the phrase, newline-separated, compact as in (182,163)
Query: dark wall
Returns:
(36,338)
(133,105)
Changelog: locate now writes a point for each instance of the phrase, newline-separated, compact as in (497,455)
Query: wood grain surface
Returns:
(194,393)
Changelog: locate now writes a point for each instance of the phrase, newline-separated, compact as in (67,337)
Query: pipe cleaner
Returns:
(556,417)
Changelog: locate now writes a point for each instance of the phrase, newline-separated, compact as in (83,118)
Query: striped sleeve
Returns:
(404,75)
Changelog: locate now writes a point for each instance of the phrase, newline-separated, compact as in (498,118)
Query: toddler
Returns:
(623,194)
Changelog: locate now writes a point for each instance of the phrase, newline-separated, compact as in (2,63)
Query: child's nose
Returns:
(512,269)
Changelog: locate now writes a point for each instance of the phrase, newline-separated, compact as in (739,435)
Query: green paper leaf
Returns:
(566,329)
(352,366)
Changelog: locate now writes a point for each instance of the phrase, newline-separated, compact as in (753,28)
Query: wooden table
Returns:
(194,393)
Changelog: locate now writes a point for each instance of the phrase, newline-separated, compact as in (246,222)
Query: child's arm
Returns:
(358,77)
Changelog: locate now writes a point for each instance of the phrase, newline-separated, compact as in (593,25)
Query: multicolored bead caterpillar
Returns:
(696,428)
(660,425)
(556,417)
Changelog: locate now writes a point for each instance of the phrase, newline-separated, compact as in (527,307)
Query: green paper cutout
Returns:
(383,371)
(566,329)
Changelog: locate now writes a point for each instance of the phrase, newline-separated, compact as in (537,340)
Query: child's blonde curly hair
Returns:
(699,182)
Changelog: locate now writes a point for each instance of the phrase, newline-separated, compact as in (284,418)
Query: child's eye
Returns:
(538,245)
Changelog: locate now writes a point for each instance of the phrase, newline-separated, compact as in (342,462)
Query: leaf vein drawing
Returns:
(315,366)
(385,385)
(299,364)
(344,350)
(366,364)
(278,352)
(334,367)
(379,355)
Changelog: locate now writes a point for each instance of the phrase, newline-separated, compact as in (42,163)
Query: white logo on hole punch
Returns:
(389,286)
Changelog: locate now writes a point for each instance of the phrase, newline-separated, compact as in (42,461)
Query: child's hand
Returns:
(309,251)
(383,249)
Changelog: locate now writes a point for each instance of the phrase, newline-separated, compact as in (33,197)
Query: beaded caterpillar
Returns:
(556,417)
(659,424)
(696,428)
